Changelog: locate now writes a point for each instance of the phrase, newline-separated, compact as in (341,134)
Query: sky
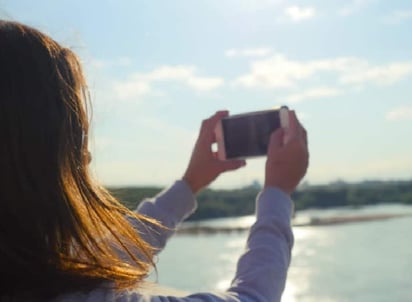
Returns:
(156,69)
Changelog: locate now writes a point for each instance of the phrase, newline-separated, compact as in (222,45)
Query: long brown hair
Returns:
(59,230)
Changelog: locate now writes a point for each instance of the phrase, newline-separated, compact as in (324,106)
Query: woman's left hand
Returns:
(204,166)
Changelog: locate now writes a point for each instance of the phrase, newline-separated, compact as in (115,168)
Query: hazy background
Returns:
(157,68)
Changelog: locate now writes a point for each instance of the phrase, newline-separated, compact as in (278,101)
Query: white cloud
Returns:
(179,72)
(354,7)
(248,52)
(280,72)
(297,13)
(399,16)
(131,88)
(314,93)
(139,84)
(400,113)
(385,74)
(275,72)
(204,84)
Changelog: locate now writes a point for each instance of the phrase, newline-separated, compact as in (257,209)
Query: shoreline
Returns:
(313,221)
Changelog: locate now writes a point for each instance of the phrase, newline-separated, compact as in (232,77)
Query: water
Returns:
(364,261)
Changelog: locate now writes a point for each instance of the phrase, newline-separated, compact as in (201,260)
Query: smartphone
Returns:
(247,135)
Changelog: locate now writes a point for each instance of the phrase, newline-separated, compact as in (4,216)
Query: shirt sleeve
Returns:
(170,207)
(262,269)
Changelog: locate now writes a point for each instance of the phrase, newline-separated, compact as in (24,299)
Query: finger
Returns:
(295,129)
(305,136)
(293,124)
(276,141)
(207,130)
(230,165)
(301,131)
(276,138)
(217,117)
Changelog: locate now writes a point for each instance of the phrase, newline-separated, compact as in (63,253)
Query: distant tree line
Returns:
(239,202)
(365,193)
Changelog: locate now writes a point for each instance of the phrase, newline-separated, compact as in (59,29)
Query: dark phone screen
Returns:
(248,135)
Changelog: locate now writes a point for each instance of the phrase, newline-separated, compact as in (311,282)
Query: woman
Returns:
(63,237)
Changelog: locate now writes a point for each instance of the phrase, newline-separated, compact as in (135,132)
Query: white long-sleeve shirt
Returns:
(261,270)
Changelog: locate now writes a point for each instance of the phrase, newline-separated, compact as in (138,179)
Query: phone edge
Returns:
(284,117)
(220,141)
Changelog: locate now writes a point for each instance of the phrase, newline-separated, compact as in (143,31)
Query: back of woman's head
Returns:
(57,228)
(42,122)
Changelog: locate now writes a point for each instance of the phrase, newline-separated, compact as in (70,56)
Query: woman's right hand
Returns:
(288,156)
(204,166)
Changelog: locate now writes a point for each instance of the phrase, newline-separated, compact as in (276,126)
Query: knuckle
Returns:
(205,122)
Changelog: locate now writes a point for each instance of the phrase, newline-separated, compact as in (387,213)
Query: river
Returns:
(361,261)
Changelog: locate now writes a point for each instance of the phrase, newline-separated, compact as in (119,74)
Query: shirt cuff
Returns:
(177,201)
(275,203)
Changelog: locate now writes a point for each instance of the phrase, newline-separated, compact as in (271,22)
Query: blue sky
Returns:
(157,68)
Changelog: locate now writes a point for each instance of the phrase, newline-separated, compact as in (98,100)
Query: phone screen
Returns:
(248,135)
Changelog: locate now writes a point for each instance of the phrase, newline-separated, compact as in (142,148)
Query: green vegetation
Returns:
(227,203)
(365,193)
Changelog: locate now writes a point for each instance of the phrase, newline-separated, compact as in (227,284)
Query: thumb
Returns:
(229,165)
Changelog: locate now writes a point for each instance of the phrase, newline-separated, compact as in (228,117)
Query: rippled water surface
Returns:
(364,261)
